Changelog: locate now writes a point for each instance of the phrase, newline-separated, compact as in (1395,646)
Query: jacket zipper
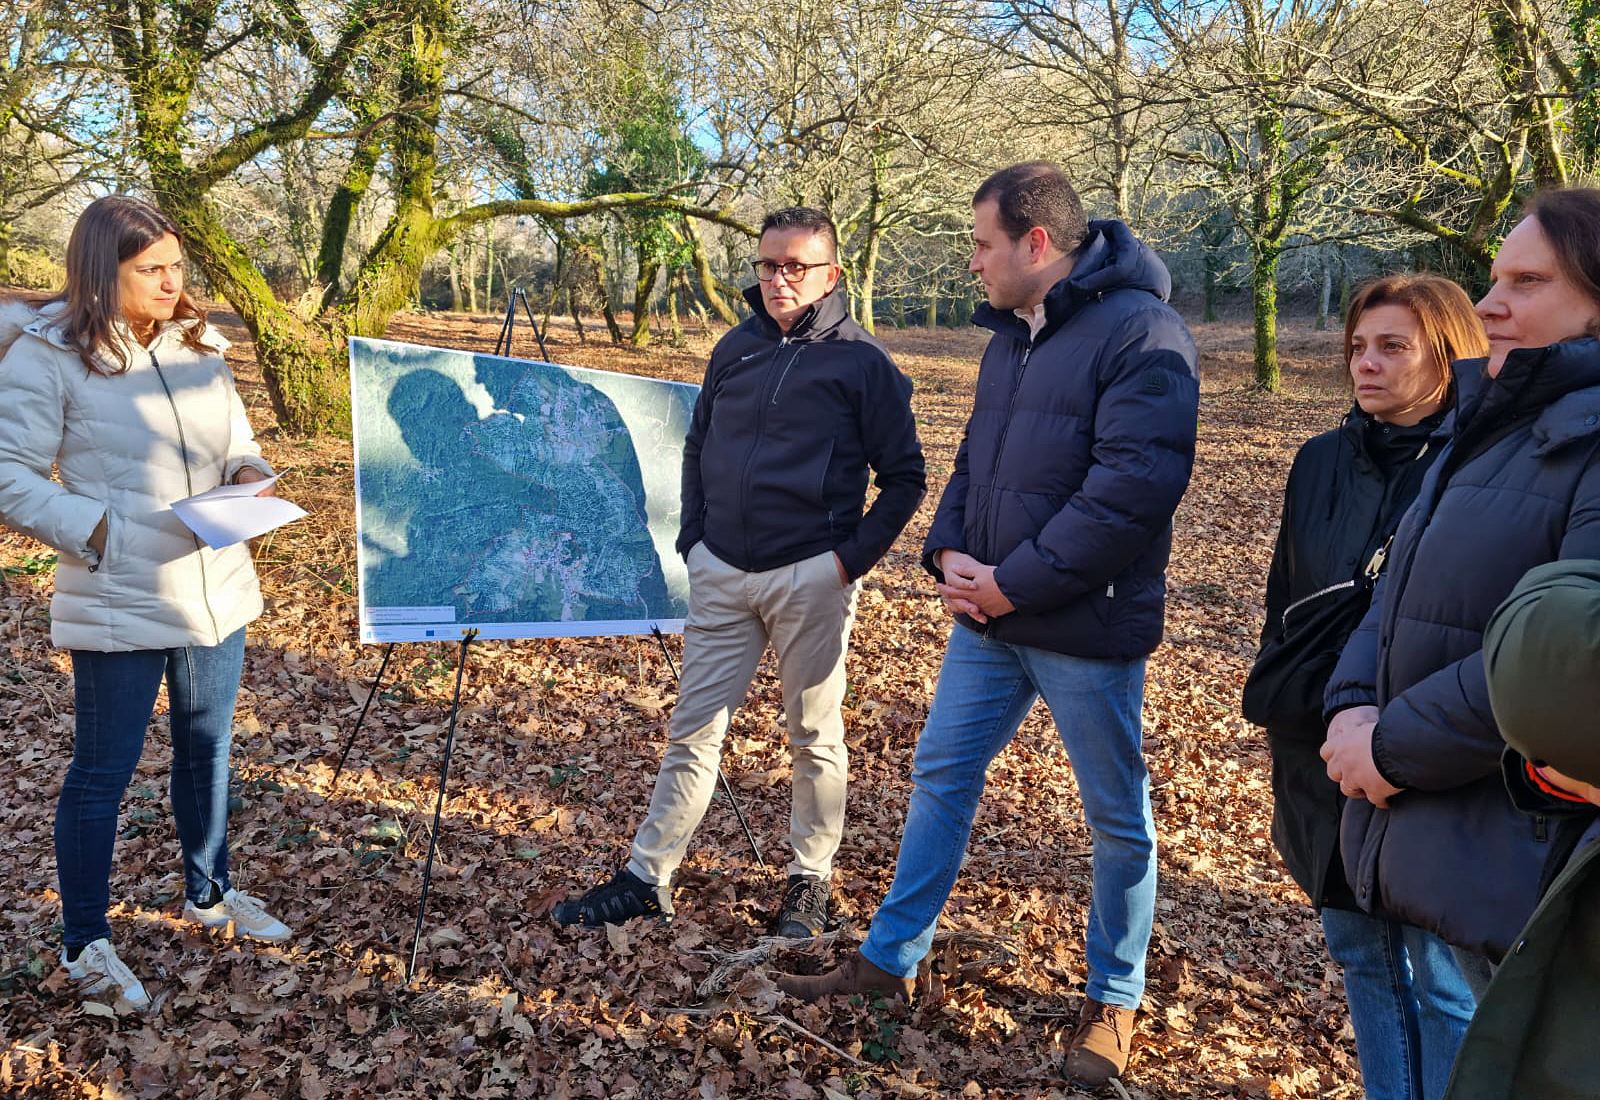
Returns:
(1372,572)
(188,482)
(785,374)
(761,427)
(1283,619)
(1000,448)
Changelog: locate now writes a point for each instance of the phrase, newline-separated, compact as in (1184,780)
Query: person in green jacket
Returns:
(1534,1031)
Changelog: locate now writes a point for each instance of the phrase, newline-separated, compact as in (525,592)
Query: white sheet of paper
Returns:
(232,513)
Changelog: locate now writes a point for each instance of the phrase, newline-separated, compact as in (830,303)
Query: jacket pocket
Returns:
(115,545)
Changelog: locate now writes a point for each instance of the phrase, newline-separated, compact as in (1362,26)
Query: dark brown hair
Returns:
(1450,327)
(808,218)
(1036,193)
(110,230)
(1570,220)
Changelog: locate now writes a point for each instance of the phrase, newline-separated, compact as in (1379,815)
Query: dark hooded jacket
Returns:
(1079,447)
(1518,485)
(1533,1032)
(783,433)
(1344,497)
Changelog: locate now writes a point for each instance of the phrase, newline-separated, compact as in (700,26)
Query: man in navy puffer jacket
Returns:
(1050,546)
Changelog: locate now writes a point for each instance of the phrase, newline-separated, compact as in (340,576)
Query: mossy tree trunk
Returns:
(644,286)
(161,58)
(875,228)
(710,288)
(342,208)
(1264,298)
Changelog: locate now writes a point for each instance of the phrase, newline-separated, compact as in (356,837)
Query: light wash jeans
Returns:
(1409,1004)
(985,690)
(114,694)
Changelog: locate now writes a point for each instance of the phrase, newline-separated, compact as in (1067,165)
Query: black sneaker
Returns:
(624,897)
(804,912)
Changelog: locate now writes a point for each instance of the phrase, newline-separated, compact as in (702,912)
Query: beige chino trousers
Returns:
(805,613)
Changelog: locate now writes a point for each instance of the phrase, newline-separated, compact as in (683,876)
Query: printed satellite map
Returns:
(523,499)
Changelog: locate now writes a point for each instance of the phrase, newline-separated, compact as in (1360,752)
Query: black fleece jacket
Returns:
(784,432)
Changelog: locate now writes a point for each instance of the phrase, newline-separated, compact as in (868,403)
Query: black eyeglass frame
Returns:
(793,270)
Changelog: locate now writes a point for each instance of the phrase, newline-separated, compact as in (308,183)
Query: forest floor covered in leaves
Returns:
(555,753)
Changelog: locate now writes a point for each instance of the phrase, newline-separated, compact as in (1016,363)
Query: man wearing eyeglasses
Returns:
(799,405)
(1049,548)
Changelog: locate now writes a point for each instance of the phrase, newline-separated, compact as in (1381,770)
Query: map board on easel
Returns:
(522,499)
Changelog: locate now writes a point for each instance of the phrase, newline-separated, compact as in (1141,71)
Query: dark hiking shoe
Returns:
(626,896)
(857,974)
(1099,1048)
(804,912)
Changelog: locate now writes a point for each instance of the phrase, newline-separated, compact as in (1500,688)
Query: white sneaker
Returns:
(248,916)
(98,970)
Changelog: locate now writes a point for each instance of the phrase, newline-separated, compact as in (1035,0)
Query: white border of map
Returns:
(443,620)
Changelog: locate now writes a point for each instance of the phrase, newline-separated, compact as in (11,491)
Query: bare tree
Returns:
(55,121)
(1467,106)
(424,51)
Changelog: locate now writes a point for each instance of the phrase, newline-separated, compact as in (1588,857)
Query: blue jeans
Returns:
(115,694)
(985,690)
(1409,1004)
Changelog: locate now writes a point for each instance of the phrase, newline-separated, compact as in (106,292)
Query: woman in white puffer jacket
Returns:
(119,383)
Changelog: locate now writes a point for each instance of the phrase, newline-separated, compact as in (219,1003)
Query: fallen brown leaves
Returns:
(556,749)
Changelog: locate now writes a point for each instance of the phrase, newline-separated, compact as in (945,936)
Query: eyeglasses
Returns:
(793,270)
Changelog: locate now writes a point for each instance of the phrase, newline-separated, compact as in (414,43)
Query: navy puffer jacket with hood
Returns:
(1079,447)
(1518,486)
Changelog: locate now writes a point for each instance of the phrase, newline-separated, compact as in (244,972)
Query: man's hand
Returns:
(960,571)
(844,577)
(969,587)
(1348,752)
(249,474)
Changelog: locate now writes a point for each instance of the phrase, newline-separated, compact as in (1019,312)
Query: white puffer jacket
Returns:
(125,446)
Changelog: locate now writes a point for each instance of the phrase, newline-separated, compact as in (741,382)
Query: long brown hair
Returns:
(1450,327)
(110,230)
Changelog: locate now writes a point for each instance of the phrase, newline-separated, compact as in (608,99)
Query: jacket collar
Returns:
(1111,258)
(47,327)
(1357,425)
(1561,383)
(820,318)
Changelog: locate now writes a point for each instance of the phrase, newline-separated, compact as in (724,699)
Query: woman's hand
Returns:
(1348,752)
(97,538)
(249,474)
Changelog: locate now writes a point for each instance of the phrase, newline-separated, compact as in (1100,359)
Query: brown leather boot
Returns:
(1098,1050)
(855,975)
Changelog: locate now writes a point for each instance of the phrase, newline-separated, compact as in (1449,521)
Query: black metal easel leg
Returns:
(438,806)
(537,335)
(727,788)
(502,344)
(372,693)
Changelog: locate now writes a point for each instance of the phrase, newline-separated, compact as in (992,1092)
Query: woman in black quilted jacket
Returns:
(1409,1005)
